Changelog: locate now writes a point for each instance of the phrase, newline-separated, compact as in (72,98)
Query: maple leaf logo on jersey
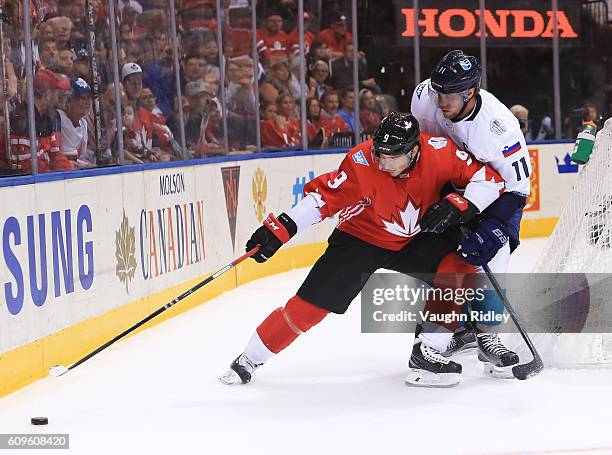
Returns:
(408,225)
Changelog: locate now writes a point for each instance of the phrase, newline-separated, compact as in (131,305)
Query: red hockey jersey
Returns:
(386,211)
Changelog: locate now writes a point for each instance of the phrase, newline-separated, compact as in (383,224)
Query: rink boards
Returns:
(84,258)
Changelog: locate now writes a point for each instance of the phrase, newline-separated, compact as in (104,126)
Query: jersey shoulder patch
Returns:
(359,158)
(497,126)
(511,149)
(437,142)
(419,89)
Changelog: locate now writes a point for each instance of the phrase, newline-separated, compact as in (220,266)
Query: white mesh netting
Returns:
(582,244)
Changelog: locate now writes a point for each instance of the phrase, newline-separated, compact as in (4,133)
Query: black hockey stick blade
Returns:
(525,370)
(528,370)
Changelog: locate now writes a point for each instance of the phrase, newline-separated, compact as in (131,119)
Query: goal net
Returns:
(581,247)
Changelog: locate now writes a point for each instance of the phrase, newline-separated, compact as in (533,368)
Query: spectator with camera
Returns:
(202,104)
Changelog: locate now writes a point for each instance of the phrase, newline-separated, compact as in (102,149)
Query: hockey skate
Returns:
(240,371)
(462,341)
(428,368)
(497,358)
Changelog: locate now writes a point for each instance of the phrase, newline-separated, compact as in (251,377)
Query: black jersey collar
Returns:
(474,112)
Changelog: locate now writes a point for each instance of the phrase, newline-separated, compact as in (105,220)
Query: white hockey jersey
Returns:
(491,133)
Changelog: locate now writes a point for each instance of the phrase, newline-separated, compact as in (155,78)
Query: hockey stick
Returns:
(526,370)
(6,103)
(59,370)
(90,22)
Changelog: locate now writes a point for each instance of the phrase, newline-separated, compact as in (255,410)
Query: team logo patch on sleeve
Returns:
(511,150)
(419,90)
(360,158)
(497,127)
(437,142)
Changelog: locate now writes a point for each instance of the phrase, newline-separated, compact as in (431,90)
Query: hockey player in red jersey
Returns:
(386,194)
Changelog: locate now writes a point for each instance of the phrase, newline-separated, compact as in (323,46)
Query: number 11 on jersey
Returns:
(515,165)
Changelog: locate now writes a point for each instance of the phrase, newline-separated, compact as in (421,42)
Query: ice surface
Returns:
(334,391)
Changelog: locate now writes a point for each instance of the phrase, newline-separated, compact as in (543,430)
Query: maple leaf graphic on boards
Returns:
(125,252)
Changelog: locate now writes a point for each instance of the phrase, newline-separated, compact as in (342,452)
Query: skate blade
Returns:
(230,377)
(498,372)
(422,378)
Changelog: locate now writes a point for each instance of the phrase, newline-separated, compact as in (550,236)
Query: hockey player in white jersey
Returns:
(451,103)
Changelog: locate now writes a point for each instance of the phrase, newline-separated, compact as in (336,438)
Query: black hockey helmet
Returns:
(456,73)
(397,134)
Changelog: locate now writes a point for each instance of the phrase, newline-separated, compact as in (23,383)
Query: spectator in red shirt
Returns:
(293,40)
(285,105)
(331,121)
(368,117)
(274,39)
(317,136)
(49,92)
(237,35)
(336,35)
(276,130)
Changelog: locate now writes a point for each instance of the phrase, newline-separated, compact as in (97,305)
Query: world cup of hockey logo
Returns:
(259,186)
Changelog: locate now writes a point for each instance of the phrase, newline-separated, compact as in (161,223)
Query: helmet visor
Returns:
(447,98)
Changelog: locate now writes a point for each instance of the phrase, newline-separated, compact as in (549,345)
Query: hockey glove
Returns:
(484,242)
(451,210)
(271,236)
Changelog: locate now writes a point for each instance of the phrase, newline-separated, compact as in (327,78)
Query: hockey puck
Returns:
(39,421)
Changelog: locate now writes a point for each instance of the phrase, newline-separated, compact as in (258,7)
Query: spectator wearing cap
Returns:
(293,39)
(272,41)
(336,35)
(202,104)
(342,71)
(332,122)
(131,76)
(48,88)
(74,125)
